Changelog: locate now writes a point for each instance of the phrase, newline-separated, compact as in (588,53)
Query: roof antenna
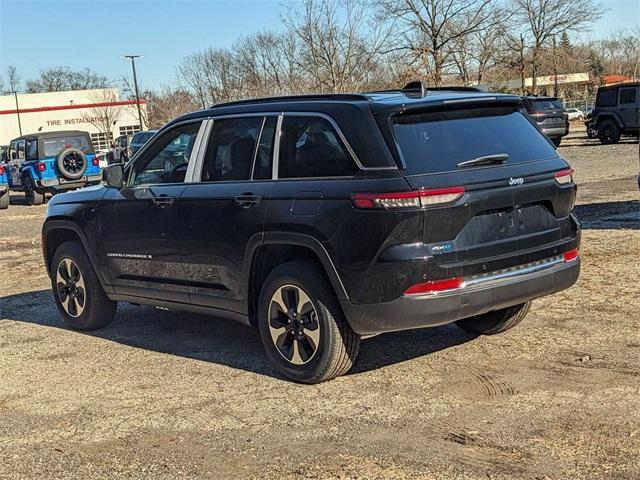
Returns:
(416,85)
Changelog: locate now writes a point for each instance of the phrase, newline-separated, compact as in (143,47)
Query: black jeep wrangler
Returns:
(323,219)
(617,112)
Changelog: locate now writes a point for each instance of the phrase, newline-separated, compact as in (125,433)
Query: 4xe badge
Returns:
(516,181)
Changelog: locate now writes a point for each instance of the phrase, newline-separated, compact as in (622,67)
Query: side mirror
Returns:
(113,175)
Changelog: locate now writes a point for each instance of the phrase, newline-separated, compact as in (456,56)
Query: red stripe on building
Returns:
(71,107)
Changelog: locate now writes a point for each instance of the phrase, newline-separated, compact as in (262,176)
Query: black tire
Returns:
(609,132)
(93,308)
(4,200)
(337,346)
(72,163)
(556,141)
(495,322)
(32,195)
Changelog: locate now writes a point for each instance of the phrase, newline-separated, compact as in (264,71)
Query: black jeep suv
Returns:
(323,219)
(617,112)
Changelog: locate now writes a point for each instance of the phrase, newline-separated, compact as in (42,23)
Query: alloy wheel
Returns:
(71,289)
(73,163)
(293,324)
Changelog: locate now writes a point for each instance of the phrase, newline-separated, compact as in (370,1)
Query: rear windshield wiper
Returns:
(486,160)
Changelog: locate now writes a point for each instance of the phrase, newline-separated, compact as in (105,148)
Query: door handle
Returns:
(163,201)
(247,200)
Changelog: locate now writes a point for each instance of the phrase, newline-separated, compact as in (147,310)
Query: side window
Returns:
(310,147)
(167,159)
(20,149)
(231,149)
(32,149)
(263,169)
(12,154)
(627,96)
(606,98)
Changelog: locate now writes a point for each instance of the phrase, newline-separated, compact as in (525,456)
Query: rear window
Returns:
(547,104)
(53,146)
(437,141)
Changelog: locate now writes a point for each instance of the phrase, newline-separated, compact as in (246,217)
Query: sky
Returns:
(35,34)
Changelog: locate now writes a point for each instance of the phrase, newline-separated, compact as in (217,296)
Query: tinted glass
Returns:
(437,141)
(310,147)
(547,104)
(264,157)
(142,137)
(53,146)
(627,95)
(231,148)
(606,98)
(20,149)
(32,149)
(166,160)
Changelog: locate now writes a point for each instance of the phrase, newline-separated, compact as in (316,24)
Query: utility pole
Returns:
(135,85)
(15,94)
(555,69)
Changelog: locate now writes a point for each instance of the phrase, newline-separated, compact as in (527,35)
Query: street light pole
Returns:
(135,84)
(15,94)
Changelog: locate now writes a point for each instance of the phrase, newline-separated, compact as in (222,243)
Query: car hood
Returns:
(86,194)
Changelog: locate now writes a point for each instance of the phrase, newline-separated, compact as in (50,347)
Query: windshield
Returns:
(547,104)
(437,141)
(53,146)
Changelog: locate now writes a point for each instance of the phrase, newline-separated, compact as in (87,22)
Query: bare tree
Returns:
(104,114)
(57,79)
(427,28)
(13,79)
(544,19)
(168,103)
(341,43)
(212,75)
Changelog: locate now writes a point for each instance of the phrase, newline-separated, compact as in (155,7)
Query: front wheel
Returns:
(302,326)
(498,321)
(77,291)
(31,194)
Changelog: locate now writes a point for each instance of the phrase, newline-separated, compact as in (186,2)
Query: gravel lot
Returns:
(164,394)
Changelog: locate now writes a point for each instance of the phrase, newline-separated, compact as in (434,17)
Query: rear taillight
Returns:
(95,162)
(413,199)
(571,255)
(564,177)
(435,286)
(41,167)
(1,170)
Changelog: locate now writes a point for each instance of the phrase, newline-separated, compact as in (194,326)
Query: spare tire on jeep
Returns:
(72,163)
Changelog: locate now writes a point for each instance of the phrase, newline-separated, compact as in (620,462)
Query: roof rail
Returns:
(285,98)
(418,86)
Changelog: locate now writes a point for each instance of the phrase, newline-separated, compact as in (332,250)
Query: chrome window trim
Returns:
(275,161)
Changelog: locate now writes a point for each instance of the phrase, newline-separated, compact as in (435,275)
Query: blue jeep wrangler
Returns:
(51,162)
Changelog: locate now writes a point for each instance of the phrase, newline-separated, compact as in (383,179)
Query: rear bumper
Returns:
(60,184)
(479,294)
(554,132)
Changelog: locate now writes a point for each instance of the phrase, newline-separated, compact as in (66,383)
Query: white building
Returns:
(90,110)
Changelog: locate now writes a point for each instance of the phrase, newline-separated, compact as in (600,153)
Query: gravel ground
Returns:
(165,394)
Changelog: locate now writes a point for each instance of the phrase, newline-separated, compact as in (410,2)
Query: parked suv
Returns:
(138,140)
(323,219)
(4,186)
(120,149)
(51,162)
(617,112)
(550,115)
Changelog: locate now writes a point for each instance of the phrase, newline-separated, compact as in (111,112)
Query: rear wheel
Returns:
(495,322)
(302,326)
(4,200)
(77,291)
(609,132)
